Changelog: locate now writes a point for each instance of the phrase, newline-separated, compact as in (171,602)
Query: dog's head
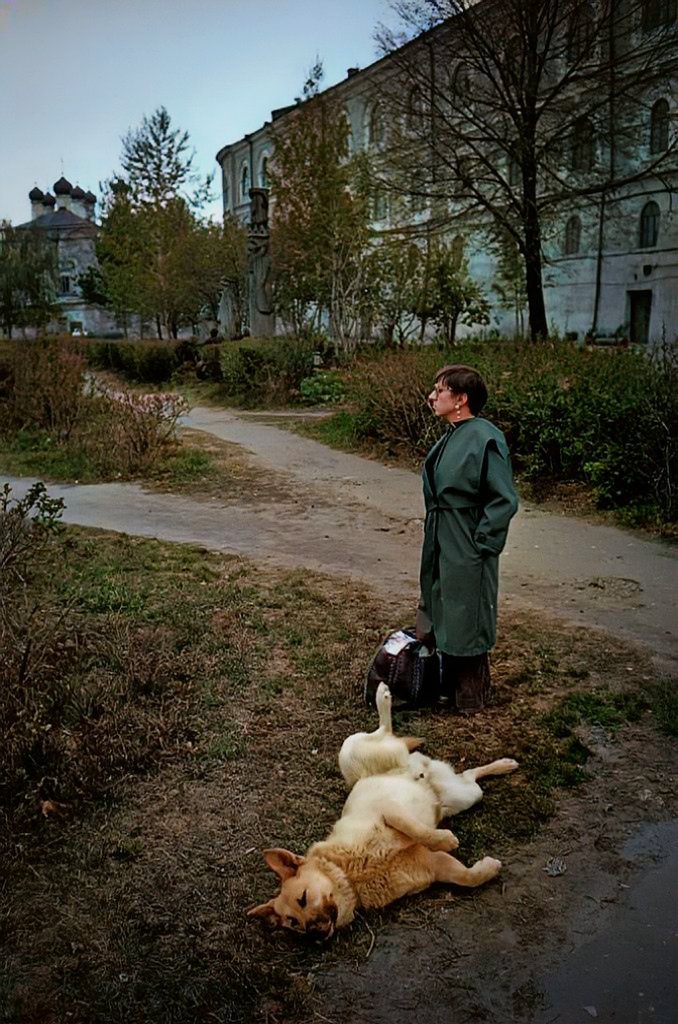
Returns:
(306,903)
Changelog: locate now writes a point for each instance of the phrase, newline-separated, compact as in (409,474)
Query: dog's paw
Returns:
(507,764)
(445,840)
(490,867)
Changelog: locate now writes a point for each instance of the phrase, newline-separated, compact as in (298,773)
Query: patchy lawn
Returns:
(199,722)
(200,465)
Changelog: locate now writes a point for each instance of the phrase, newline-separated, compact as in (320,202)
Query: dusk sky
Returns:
(75,75)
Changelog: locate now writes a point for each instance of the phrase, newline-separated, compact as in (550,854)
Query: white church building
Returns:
(66,219)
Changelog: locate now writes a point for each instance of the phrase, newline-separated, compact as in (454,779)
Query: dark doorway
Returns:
(641,307)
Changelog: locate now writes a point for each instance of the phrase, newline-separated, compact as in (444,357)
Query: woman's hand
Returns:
(425,637)
(423,629)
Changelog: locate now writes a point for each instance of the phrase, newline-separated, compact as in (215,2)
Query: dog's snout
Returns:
(323,927)
(321,931)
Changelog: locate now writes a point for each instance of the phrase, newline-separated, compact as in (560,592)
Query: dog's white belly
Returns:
(414,796)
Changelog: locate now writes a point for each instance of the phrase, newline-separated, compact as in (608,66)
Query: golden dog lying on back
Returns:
(386,843)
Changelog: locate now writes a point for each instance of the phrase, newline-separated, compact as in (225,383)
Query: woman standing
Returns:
(470,500)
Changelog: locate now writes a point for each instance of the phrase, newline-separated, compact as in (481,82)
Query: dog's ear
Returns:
(267,913)
(284,863)
(412,742)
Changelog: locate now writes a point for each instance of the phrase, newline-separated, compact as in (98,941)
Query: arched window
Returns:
(379,206)
(415,109)
(244,182)
(580,34)
(67,277)
(572,236)
(649,226)
(461,81)
(263,172)
(582,145)
(376,130)
(226,192)
(659,127)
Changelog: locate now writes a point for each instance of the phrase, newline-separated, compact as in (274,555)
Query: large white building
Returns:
(610,261)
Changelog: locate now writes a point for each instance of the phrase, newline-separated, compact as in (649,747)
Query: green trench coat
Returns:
(470,500)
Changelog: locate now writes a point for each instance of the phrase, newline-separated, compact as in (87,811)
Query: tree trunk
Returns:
(533,271)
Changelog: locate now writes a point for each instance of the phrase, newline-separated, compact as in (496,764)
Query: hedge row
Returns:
(147,362)
(605,418)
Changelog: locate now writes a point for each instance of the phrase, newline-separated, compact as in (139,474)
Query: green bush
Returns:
(323,388)
(266,371)
(146,362)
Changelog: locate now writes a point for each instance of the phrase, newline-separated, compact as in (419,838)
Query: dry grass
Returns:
(140,887)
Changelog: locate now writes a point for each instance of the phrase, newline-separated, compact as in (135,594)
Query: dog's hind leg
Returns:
(449,869)
(416,831)
(501,767)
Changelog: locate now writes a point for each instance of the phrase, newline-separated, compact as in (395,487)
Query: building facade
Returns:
(610,260)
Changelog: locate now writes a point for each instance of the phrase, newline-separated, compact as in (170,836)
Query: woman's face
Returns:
(442,400)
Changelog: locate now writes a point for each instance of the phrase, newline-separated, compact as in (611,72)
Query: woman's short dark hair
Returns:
(465,380)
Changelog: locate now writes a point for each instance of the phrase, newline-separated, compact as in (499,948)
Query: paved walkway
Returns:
(354,516)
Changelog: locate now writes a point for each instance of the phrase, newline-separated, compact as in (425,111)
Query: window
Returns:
(657,13)
(649,226)
(263,172)
(580,34)
(65,284)
(379,206)
(582,145)
(244,182)
(461,82)
(572,236)
(417,202)
(376,129)
(514,170)
(659,127)
(415,109)
(225,190)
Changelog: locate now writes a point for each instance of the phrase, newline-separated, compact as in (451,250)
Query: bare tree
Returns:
(504,113)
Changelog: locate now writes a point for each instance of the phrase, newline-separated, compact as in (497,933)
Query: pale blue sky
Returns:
(76,74)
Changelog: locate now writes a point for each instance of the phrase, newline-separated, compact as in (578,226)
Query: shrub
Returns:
(389,392)
(324,388)
(140,429)
(47,391)
(266,371)
(146,362)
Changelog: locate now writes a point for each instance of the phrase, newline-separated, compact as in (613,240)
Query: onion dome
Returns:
(49,199)
(36,195)
(90,197)
(77,193)
(62,187)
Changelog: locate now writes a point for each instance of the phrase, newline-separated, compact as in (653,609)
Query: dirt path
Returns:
(345,514)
